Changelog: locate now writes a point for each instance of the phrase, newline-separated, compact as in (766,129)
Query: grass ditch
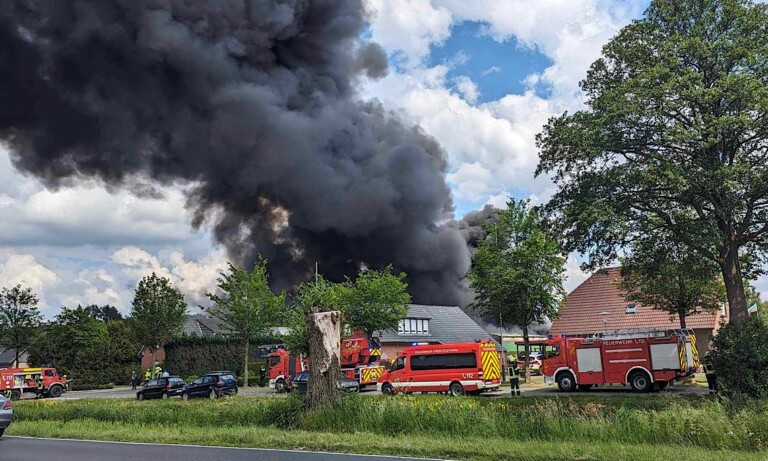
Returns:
(588,423)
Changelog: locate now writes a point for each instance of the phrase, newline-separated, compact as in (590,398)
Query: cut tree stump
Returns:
(324,387)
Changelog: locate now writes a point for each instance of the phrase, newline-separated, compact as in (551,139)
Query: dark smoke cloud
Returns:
(253,102)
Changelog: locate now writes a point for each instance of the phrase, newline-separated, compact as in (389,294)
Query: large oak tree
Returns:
(674,140)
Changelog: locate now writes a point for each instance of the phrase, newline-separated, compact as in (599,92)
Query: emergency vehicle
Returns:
(282,368)
(453,368)
(644,359)
(45,382)
(360,360)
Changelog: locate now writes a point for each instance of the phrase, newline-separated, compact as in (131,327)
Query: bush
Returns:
(191,378)
(740,359)
(197,355)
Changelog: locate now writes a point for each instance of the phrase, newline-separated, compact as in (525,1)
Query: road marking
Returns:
(218,447)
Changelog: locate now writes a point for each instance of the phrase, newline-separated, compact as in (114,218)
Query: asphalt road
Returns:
(127,393)
(25,449)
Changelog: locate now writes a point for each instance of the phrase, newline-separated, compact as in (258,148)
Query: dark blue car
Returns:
(213,385)
(161,388)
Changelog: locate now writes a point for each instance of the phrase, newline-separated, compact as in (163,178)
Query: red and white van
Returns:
(454,368)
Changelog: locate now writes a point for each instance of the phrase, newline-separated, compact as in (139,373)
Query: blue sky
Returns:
(480,76)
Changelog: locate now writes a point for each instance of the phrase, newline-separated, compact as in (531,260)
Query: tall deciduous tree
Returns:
(673,279)
(518,271)
(19,318)
(675,139)
(375,301)
(105,313)
(246,306)
(158,312)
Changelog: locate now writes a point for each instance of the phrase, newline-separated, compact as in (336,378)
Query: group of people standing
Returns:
(148,374)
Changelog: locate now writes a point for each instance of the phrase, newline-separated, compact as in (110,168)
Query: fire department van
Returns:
(459,368)
(643,359)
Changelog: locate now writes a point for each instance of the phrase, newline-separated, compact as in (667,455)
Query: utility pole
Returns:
(317,276)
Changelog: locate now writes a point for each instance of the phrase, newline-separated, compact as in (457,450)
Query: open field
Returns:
(583,427)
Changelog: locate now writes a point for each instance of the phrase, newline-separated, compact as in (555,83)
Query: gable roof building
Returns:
(431,325)
(598,305)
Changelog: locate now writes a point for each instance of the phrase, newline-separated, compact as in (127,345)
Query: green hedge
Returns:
(196,355)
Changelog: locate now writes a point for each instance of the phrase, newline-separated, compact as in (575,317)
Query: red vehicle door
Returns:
(397,374)
(589,361)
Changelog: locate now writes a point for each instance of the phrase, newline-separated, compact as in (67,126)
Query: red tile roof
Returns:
(581,313)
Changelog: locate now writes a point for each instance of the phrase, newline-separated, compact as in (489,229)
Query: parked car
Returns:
(6,414)
(161,388)
(212,385)
(299,382)
(534,362)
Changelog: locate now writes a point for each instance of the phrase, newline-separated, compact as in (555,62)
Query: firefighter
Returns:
(709,371)
(262,376)
(514,379)
(158,372)
(40,386)
(148,374)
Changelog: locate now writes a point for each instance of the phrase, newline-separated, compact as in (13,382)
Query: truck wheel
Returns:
(55,391)
(566,382)
(456,389)
(640,381)
(387,389)
(15,395)
(280,386)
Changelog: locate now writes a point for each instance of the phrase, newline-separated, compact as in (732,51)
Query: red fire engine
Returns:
(453,368)
(282,368)
(45,382)
(645,360)
(360,360)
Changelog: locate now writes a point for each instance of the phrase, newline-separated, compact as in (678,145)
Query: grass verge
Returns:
(472,448)
(584,427)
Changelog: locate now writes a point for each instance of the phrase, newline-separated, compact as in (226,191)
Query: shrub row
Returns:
(670,420)
(196,355)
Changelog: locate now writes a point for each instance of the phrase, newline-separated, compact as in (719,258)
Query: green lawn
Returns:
(588,427)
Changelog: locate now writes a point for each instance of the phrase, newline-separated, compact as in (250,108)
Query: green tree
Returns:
(319,295)
(158,312)
(105,313)
(675,139)
(518,271)
(671,278)
(19,318)
(247,307)
(375,301)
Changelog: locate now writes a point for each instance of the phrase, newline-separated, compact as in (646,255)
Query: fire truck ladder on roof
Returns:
(631,333)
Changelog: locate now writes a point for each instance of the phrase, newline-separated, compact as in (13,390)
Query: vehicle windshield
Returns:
(398,365)
(551,352)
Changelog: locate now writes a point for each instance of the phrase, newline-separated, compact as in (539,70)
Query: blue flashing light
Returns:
(562,335)
(550,336)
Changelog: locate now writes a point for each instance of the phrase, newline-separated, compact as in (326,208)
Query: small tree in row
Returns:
(19,318)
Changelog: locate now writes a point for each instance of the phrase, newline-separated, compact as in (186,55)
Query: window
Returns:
(399,364)
(198,381)
(631,308)
(210,379)
(49,373)
(413,327)
(551,352)
(154,382)
(444,361)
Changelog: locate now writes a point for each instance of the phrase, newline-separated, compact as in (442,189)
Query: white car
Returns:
(6,414)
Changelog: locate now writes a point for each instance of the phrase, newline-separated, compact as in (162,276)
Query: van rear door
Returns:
(491,365)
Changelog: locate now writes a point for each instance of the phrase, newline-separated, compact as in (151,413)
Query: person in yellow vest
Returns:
(514,379)
(148,374)
(158,372)
(40,386)
(709,371)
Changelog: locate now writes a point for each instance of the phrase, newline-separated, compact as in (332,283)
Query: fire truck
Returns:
(360,360)
(644,359)
(456,369)
(44,382)
(283,367)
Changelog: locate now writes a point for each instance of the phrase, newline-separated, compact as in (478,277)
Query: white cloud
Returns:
(499,200)
(491,70)
(23,269)
(575,276)
(467,88)
(409,27)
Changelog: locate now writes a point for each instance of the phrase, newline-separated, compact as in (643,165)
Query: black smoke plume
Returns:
(253,102)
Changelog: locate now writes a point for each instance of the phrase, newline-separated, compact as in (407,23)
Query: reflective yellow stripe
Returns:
(490,362)
(375,351)
(368,375)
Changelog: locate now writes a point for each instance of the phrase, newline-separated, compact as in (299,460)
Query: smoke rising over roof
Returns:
(251,101)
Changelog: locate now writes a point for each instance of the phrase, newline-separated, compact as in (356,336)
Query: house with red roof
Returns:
(599,305)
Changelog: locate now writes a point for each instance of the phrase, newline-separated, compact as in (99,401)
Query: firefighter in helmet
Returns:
(514,378)
(148,374)
(158,371)
(40,386)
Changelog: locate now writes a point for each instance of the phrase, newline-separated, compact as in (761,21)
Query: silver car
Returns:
(6,414)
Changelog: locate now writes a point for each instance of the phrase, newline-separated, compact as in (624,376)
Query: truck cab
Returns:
(282,368)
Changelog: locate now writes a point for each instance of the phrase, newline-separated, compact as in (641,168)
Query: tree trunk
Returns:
(681,314)
(152,365)
(527,366)
(734,286)
(17,357)
(324,349)
(245,367)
